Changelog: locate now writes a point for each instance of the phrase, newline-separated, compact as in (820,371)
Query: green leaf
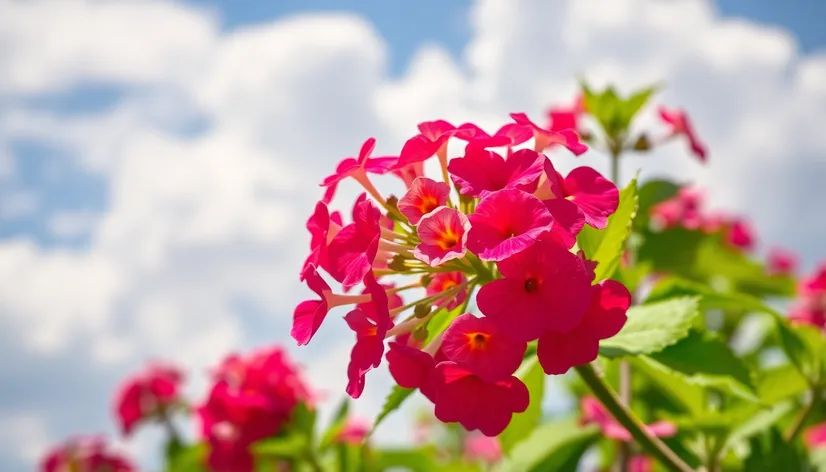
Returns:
(676,386)
(552,447)
(758,422)
(187,458)
(607,246)
(672,251)
(709,298)
(521,425)
(439,322)
(708,361)
(651,193)
(336,425)
(633,104)
(817,458)
(289,446)
(414,460)
(806,348)
(779,383)
(652,327)
(771,453)
(392,403)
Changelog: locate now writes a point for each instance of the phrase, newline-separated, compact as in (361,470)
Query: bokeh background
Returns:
(158,160)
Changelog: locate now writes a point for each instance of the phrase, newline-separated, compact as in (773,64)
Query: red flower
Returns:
(443,281)
(253,398)
(815,284)
(370,328)
(545,138)
(562,118)
(476,344)
(681,125)
(481,172)
(740,234)
(594,412)
(594,196)
(463,397)
(507,222)
(684,209)
(545,287)
(323,227)
(640,463)
(444,233)
(408,172)
(352,251)
(354,432)
(432,137)
(357,168)
(509,135)
(85,454)
(424,196)
(815,436)
(147,395)
(410,367)
(810,308)
(604,318)
(781,262)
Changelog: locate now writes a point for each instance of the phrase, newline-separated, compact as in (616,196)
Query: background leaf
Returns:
(556,446)
(652,327)
(394,400)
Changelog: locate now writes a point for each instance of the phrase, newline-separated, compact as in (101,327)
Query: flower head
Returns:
(566,117)
(594,412)
(352,251)
(424,196)
(545,138)
(370,328)
(781,262)
(594,196)
(432,138)
(740,234)
(558,352)
(477,344)
(815,436)
(444,233)
(507,222)
(681,125)
(147,395)
(356,168)
(478,447)
(323,226)
(353,432)
(85,454)
(443,281)
(544,287)
(481,172)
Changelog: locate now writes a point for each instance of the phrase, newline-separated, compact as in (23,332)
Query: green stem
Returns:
(652,444)
(803,416)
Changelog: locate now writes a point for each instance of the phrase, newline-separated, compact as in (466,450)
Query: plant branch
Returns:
(630,422)
(800,420)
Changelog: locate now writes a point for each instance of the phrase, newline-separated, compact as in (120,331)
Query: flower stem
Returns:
(803,416)
(629,421)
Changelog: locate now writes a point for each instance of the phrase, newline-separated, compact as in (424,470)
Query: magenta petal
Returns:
(815,436)
(410,367)
(662,429)
(606,313)
(559,352)
(307,318)
(568,221)
(424,196)
(477,345)
(443,233)
(595,195)
(507,222)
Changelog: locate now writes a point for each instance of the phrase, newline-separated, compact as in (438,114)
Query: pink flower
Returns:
(543,288)
(740,234)
(562,118)
(357,168)
(594,196)
(322,226)
(810,308)
(370,328)
(684,209)
(85,454)
(424,196)
(408,172)
(507,222)
(432,138)
(253,398)
(815,436)
(479,447)
(353,249)
(640,463)
(681,125)
(463,397)
(594,412)
(481,172)
(147,395)
(354,432)
(444,233)
(410,367)
(443,281)
(604,318)
(476,344)
(815,284)
(781,262)
(510,134)
(545,138)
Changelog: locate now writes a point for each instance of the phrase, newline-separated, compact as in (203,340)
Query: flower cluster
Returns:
(85,454)
(594,413)
(503,222)
(810,307)
(148,395)
(252,398)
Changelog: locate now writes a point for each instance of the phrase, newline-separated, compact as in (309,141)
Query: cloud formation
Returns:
(212,145)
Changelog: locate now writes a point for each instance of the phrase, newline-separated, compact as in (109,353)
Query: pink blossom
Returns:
(85,454)
(781,262)
(545,138)
(815,436)
(562,118)
(594,196)
(444,233)
(506,222)
(481,172)
(353,249)
(479,447)
(442,281)
(146,395)
(681,125)
(323,226)
(544,287)
(356,168)
(740,234)
(354,432)
(594,412)
(424,196)
(370,328)
(478,345)
(432,138)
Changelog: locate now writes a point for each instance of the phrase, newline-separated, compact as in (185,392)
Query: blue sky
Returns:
(154,208)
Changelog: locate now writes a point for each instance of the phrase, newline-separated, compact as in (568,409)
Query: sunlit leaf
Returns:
(652,327)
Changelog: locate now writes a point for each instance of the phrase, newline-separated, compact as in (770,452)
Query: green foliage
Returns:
(414,460)
(770,453)
(555,446)
(522,424)
(606,246)
(707,360)
(392,403)
(186,458)
(651,193)
(441,320)
(614,113)
(652,327)
(336,425)
(806,348)
(780,383)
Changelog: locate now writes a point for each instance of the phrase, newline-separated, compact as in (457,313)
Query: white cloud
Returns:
(198,248)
